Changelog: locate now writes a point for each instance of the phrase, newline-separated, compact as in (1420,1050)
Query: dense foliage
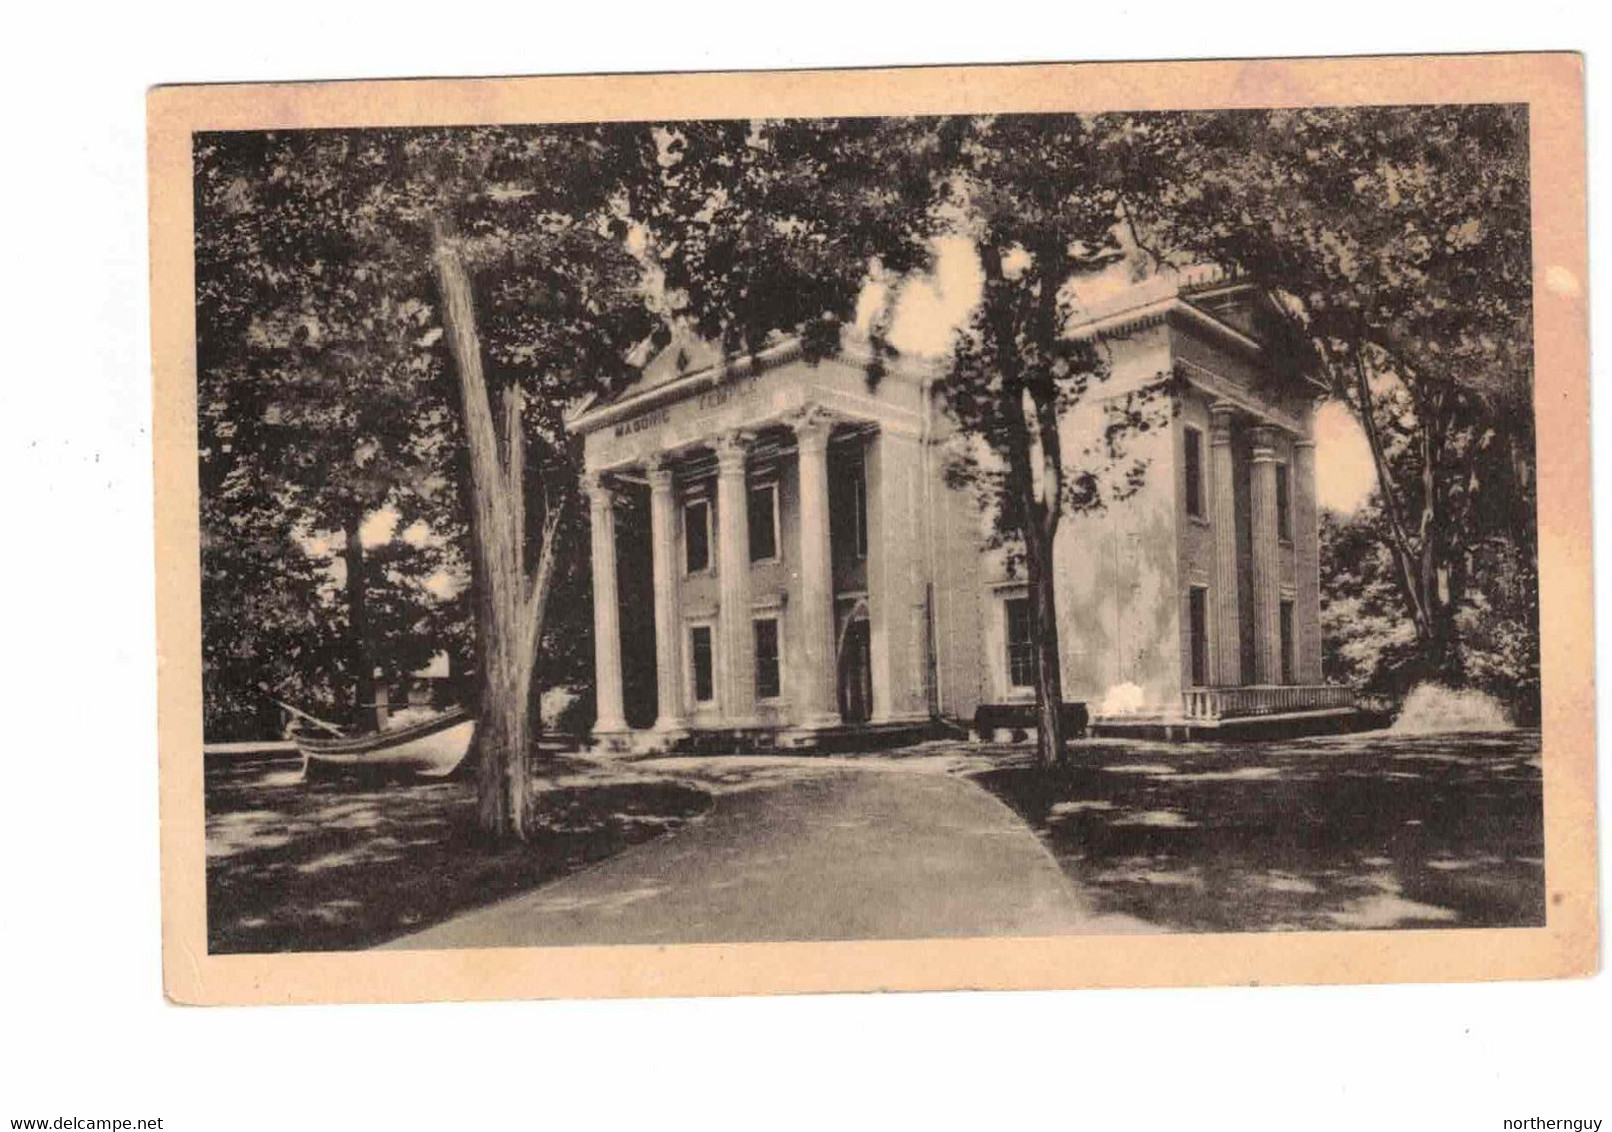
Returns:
(342,369)
(321,400)
(1369,642)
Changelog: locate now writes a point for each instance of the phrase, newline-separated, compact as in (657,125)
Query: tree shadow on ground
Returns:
(326,866)
(1371,831)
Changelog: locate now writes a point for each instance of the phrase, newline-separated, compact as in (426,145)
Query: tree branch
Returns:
(535,607)
(514,444)
(459,325)
(1404,550)
(1136,236)
(1052,463)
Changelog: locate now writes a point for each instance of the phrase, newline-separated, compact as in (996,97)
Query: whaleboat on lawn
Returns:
(431,748)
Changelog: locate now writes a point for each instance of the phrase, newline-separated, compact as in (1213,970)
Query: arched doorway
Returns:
(854,667)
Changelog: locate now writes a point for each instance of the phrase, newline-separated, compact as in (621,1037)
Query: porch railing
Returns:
(1265,699)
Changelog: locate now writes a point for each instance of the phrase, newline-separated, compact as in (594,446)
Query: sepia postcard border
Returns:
(1552,86)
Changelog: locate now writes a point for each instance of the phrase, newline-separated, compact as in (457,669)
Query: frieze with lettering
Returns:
(649,420)
(708,401)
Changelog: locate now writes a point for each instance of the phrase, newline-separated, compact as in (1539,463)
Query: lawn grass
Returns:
(330,866)
(1365,831)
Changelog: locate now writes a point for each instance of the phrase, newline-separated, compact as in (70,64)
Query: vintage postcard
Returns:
(974,527)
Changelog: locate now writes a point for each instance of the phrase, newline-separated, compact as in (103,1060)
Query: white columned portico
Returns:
(669,719)
(815,683)
(610,719)
(733,569)
(1265,559)
(1228,664)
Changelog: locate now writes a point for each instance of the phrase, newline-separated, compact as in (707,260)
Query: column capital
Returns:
(1221,416)
(812,425)
(731,448)
(1264,444)
(600,493)
(658,469)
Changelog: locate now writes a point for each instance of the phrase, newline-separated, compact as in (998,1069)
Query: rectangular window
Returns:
(1194,468)
(700,660)
(1020,643)
(1198,629)
(697,536)
(768,683)
(1284,524)
(1287,642)
(763,522)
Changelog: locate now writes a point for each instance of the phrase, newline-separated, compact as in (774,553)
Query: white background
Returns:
(84,1030)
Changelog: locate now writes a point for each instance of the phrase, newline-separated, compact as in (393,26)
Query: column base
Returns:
(900,717)
(809,732)
(612,739)
(820,721)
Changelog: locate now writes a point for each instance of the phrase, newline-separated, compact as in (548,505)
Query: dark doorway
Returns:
(1198,634)
(848,513)
(856,672)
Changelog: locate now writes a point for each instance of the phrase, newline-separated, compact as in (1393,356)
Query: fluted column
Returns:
(1228,666)
(815,683)
(610,719)
(669,718)
(1265,560)
(733,569)
(1307,563)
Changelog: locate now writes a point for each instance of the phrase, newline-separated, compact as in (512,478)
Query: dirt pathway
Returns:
(855,854)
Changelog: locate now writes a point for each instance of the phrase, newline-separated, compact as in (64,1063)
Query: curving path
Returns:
(854,854)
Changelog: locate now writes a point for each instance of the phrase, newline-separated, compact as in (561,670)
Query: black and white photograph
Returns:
(837,567)
(868,528)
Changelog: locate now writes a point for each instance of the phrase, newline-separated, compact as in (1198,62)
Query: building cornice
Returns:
(1230,394)
(590,416)
(591,419)
(1158,311)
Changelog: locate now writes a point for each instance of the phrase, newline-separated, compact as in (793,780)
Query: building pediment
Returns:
(676,409)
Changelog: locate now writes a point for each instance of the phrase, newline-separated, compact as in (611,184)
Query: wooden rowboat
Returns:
(433,748)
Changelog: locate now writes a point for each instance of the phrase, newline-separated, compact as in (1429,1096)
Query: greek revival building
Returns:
(778,557)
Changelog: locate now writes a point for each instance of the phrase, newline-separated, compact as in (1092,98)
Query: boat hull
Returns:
(430,750)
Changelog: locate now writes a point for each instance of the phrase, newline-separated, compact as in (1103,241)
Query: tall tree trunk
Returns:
(1039,512)
(358,618)
(1051,743)
(510,602)
(1405,553)
(1429,579)
(1040,526)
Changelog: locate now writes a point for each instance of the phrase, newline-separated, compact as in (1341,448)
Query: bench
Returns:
(990,718)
